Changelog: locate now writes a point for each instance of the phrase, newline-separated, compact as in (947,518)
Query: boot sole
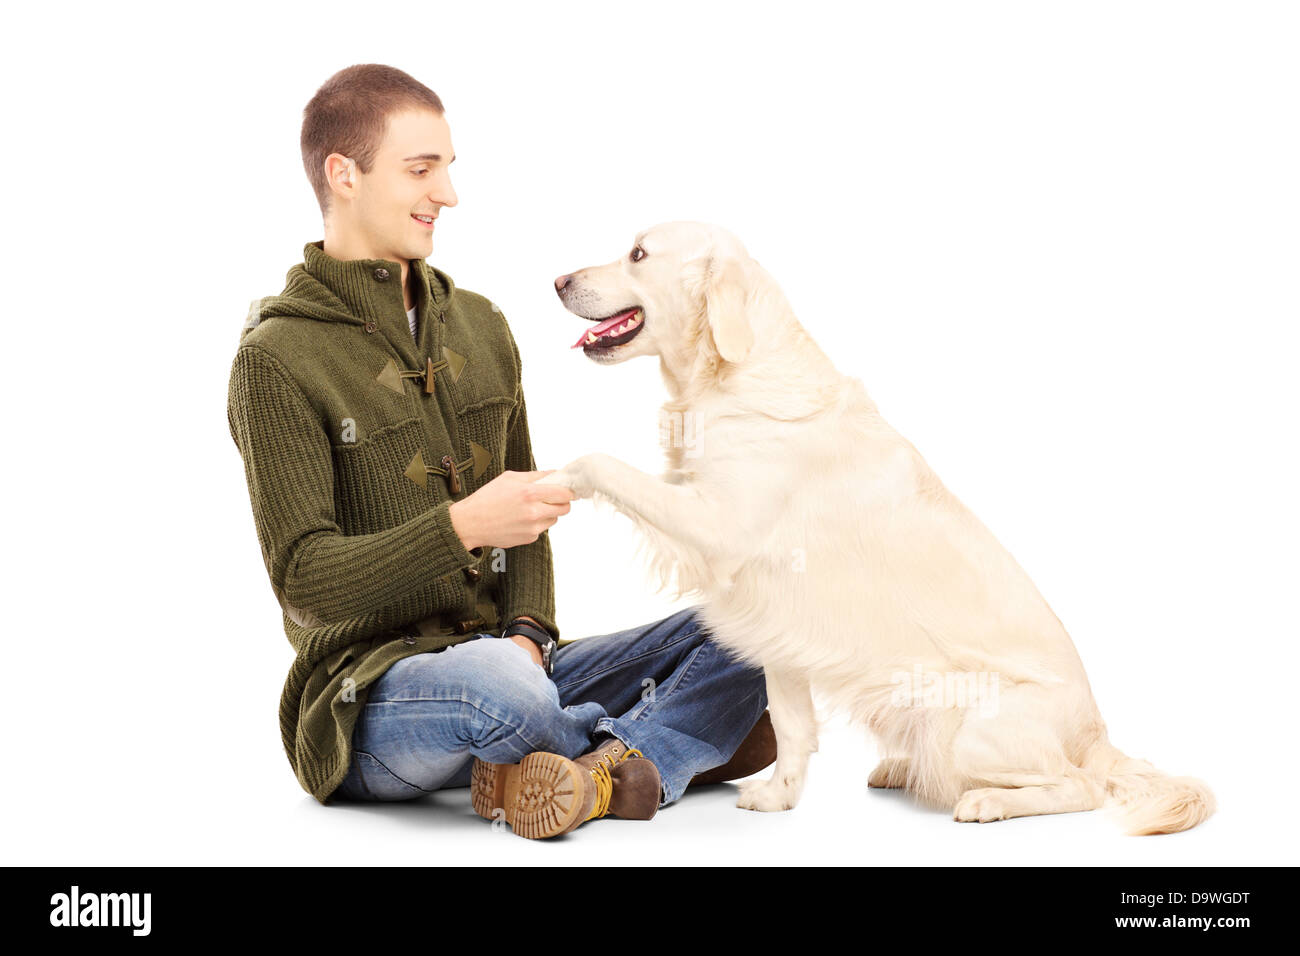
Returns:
(541,796)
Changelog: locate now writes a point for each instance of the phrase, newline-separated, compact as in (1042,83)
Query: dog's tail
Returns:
(1145,800)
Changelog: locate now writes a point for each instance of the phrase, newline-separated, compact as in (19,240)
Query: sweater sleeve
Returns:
(529,588)
(320,575)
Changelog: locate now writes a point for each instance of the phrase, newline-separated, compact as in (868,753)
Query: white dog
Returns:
(827,551)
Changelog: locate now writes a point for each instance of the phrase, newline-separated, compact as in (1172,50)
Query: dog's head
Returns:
(683,286)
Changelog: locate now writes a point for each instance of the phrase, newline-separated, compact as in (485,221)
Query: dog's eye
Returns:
(637,254)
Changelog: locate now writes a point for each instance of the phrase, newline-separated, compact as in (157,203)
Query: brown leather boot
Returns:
(756,751)
(628,785)
(542,796)
(545,794)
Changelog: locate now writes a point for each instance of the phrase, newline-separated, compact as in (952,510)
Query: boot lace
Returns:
(600,774)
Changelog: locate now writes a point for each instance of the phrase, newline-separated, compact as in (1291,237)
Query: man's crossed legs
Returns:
(663,689)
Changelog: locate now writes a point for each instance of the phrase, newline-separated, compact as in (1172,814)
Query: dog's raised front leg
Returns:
(794,719)
(675,510)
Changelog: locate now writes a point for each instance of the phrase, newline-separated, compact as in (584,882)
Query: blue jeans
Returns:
(664,688)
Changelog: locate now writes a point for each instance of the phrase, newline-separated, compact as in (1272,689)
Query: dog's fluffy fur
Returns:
(827,550)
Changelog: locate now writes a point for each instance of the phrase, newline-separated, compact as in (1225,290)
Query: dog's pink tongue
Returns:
(612,322)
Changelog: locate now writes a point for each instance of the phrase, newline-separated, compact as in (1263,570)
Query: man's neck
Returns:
(337,247)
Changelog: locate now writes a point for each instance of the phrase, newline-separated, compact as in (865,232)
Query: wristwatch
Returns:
(542,638)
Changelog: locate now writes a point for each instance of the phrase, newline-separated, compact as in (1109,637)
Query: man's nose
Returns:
(444,194)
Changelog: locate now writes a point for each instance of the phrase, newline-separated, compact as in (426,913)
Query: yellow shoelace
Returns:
(605,783)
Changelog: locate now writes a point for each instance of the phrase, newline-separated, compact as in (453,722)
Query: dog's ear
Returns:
(726,301)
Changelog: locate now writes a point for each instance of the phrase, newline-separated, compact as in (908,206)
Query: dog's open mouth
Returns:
(618,329)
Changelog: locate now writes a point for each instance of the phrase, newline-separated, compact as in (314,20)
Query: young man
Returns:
(379,413)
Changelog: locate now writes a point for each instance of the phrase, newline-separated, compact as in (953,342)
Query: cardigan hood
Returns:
(326,289)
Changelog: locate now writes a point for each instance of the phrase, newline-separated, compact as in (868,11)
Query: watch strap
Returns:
(537,635)
(543,638)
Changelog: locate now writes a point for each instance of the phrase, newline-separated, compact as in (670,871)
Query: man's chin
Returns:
(417,250)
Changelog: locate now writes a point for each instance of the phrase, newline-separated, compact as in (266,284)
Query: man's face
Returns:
(409,178)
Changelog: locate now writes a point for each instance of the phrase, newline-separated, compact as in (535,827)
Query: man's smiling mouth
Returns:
(618,329)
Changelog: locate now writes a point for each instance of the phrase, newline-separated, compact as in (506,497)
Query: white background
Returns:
(1057,242)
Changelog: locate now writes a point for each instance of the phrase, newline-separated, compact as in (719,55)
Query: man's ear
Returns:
(726,300)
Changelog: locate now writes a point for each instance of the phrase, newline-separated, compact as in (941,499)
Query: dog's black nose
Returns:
(561,282)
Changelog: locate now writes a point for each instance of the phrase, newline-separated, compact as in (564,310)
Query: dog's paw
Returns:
(980,806)
(572,476)
(768,795)
(890,774)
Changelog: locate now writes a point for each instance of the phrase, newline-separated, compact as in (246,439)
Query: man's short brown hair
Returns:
(349,115)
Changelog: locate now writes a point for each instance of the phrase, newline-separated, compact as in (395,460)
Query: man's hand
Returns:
(510,510)
(529,646)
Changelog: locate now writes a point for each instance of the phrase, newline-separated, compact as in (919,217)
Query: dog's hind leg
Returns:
(794,719)
(1023,795)
(1014,763)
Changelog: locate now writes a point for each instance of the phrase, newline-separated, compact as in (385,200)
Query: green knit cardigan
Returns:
(356,438)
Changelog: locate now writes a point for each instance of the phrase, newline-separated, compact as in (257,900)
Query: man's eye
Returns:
(637,254)
(420,172)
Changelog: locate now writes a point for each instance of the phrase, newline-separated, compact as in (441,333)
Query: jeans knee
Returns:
(463,671)
(499,668)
